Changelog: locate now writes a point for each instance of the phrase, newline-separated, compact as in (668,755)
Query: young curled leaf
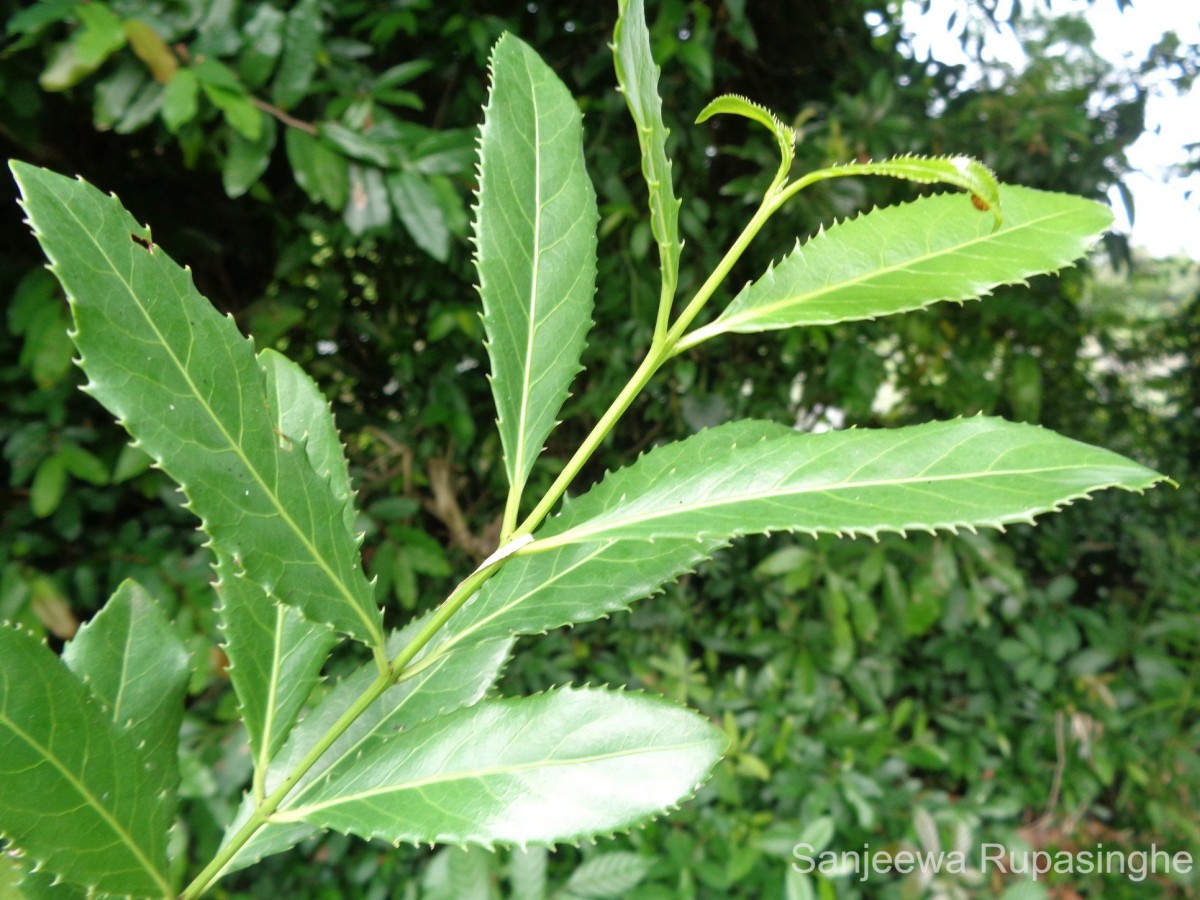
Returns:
(960,171)
(736,105)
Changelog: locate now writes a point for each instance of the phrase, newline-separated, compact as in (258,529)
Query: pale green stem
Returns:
(660,351)
(512,508)
(262,812)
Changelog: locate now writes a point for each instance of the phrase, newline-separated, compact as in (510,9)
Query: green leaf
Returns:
(247,160)
(418,207)
(566,765)
(276,656)
(367,205)
(357,145)
(275,659)
(535,233)
(527,873)
(98,37)
(735,105)
(637,75)
(188,388)
(238,111)
(447,683)
(134,663)
(608,875)
(656,519)
(934,248)
(448,152)
(301,47)
(320,171)
(73,795)
(264,43)
(180,100)
(83,464)
(36,314)
(49,485)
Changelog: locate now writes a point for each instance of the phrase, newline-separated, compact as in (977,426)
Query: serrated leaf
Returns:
(275,655)
(736,105)
(72,792)
(569,764)
(452,681)
(535,233)
(608,875)
(637,75)
(656,519)
(417,205)
(909,256)
(134,663)
(189,388)
(301,46)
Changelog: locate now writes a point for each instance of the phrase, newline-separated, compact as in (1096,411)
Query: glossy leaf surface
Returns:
(188,387)
(535,236)
(72,792)
(566,765)
(657,518)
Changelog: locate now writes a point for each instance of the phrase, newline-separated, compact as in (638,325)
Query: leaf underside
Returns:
(189,388)
(535,237)
(566,765)
(652,521)
(72,793)
(905,257)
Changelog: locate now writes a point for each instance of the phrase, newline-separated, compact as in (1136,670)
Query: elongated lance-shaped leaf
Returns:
(909,256)
(134,663)
(275,654)
(535,236)
(72,793)
(637,76)
(656,519)
(736,105)
(570,764)
(454,680)
(188,387)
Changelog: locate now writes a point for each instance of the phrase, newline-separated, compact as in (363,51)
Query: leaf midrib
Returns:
(343,589)
(582,533)
(486,772)
(518,473)
(91,800)
(767,309)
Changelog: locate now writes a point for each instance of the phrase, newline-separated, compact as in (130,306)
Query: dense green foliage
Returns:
(857,682)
